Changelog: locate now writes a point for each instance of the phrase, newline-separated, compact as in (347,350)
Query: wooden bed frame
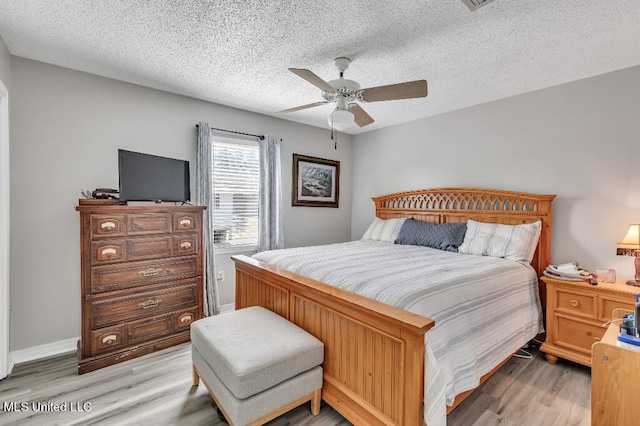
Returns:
(374,353)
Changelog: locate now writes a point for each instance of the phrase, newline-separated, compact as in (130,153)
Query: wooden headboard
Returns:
(457,205)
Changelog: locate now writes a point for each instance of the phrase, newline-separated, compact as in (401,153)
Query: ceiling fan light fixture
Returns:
(341,119)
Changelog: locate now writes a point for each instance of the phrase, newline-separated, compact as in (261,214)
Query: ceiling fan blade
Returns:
(284,111)
(313,79)
(411,89)
(360,115)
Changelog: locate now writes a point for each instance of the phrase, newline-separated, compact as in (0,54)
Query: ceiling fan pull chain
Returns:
(334,137)
(334,134)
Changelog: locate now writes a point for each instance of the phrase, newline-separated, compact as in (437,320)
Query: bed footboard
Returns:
(374,353)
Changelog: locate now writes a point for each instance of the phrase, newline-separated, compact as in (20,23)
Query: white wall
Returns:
(66,127)
(580,140)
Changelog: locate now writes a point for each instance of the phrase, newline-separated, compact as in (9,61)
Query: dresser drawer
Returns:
(149,329)
(182,320)
(108,251)
(142,248)
(581,304)
(149,248)
(108,311)
(185,222)
(160,326)
(128,275)
(148,223)
(185,244)
(102,225)
(108,339)
(575,335)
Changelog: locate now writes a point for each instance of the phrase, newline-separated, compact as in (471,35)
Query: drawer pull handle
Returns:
(596,339)
(108,252)
(109,340)
(186,318)
(574,303)
(151,303)
(185,245)
(185,222)
(107,226)
(151,272)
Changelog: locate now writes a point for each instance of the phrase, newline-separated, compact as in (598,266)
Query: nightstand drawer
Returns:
(576,304)
(576,335)
(609,303)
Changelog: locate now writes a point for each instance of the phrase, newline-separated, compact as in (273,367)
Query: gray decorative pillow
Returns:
(442,236)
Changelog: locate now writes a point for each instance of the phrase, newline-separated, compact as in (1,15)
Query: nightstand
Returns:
(576,311)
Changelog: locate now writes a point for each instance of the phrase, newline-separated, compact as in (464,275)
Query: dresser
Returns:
(575,313)
(141,280)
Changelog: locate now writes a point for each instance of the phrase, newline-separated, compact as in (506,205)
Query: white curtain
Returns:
(204,197)
(270,209)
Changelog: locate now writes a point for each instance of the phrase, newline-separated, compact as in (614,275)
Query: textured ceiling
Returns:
(237,52)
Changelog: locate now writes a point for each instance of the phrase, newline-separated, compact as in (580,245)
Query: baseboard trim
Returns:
(42,351)
(62,347)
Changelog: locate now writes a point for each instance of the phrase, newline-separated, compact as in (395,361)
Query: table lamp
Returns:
(630,246)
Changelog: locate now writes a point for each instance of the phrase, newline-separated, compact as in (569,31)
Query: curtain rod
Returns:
(237,133)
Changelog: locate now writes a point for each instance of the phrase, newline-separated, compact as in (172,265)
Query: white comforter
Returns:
(484,308)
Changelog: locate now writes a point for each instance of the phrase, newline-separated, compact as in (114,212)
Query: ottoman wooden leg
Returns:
(315,402)
(195,375)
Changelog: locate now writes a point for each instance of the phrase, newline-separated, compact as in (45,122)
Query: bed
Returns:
(374,370)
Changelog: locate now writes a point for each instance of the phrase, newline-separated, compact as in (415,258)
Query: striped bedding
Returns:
(484,308)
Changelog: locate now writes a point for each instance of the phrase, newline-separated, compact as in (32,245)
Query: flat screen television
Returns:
(146,177)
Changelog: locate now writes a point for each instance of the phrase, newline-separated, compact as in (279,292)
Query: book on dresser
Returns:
(141,280)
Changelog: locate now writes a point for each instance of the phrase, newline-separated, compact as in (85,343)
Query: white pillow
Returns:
(384,230)
(515,242)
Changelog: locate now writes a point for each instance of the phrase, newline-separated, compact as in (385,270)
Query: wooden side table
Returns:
(576,311)
(615,382)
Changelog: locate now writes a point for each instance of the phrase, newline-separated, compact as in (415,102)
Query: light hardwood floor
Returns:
(156,390)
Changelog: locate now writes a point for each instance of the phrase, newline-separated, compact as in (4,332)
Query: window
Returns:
(236,178)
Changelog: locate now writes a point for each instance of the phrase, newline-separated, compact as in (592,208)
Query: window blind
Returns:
(236,177)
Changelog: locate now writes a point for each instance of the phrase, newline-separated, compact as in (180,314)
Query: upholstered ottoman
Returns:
(256,364)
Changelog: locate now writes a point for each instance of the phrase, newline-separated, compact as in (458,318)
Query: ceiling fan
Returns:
(345,93)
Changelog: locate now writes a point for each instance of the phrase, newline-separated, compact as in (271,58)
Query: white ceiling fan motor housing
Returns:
(343,86)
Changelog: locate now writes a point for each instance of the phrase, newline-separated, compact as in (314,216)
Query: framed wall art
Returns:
(316,182)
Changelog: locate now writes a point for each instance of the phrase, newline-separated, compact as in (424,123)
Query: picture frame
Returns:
(316,182)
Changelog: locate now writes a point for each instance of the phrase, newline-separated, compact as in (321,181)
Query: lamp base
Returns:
(633,283)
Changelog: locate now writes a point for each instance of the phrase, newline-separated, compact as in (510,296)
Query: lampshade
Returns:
(630,246)
(631,242)
(340,119)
